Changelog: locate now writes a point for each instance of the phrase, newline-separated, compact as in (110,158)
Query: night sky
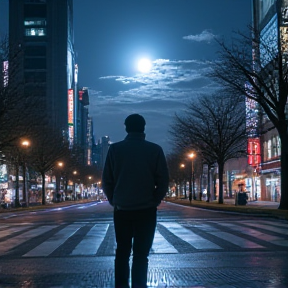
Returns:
(111,36)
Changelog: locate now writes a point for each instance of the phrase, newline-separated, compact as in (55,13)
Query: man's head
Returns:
(135,123)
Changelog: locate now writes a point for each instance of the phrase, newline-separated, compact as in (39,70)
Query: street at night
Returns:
(74,246)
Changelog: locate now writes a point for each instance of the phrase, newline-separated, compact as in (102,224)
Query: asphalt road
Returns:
(74,247)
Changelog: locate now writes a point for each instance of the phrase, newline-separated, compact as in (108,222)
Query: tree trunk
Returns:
(17,200)
(25,200)
(209,184)
(220,175)
(284,170)
(43,189)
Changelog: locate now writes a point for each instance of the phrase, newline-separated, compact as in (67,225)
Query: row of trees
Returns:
(21,120)
(213,127)
(250,67)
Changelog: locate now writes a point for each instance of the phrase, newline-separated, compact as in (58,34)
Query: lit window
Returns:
(269,152)
(35,32)
(265,151)
(35,22)
(279,146)
(274,147)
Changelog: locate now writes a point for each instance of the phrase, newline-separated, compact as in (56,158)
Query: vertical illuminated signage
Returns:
(70,114)
(70,106)
(253,149)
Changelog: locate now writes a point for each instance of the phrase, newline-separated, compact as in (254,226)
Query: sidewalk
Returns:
(49,205)
(256,208)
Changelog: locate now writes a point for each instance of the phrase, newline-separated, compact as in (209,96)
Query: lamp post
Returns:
(191,156)
(25,144)
(74,182)
(58,180)
(182,166)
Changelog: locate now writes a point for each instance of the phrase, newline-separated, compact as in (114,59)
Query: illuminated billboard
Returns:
(253,151)
(70,115)
(70,106)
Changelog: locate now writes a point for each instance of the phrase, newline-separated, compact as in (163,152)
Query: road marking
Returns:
(54,242)
(257,234)
(161,245)
(283,231)
(17,240)
(190,237)
(9,231)
(92,240)
(239,241)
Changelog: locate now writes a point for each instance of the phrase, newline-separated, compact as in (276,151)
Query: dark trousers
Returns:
(134,229)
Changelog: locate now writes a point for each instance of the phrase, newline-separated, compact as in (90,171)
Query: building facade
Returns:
(41,48)
(270,18)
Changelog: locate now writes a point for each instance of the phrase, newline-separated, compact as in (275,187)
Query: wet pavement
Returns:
(264,264)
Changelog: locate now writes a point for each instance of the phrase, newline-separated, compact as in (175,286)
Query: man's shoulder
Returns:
(152,144)
(126,143)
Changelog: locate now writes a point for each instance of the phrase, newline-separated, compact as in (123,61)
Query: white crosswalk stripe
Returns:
(255,233)
(200,236)
(91,242)
(283,231)
(193,239)
(236,240)
(55,241)
(17,240)
(161,245)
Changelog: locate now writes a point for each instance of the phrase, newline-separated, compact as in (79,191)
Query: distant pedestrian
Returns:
(135,180)
(190,197)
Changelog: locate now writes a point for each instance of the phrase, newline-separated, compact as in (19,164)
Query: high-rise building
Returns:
(270,20)
(41,47)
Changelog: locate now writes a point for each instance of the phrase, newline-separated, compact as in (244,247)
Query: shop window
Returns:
(269,151)
(274,147)
(278,146)
(265,152)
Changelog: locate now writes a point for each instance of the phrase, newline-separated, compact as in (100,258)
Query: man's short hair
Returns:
(135,123)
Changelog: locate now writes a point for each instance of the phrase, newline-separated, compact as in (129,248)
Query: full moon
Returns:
(144,65)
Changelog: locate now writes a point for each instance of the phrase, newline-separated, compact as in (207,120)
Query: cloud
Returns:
(205,36)
(157,95)
(168,80)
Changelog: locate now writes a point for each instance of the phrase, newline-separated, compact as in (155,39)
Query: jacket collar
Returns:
(135,135)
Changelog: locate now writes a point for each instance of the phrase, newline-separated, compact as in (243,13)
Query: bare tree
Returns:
(215,127)
(257,68)
(47,147)
(17,104)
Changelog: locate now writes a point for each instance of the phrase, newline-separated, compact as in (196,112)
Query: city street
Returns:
(74,246)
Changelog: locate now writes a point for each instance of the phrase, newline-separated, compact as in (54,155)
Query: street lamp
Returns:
(58,180)
(182,166)
(192,187)
(74,180)
(25,144)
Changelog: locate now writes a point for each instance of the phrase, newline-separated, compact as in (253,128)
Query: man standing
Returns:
(135,180)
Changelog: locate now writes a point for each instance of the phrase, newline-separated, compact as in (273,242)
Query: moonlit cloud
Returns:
(204,36)
(156,95)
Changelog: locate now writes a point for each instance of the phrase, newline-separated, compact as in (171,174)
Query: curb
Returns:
(47,206)
(255,211)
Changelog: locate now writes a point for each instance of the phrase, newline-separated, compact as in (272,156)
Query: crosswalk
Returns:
(98,239)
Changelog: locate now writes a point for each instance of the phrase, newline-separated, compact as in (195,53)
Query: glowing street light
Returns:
(192,179)
(182,166)
(25,144)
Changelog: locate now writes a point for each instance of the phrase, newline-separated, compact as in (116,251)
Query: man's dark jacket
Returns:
(135,174)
